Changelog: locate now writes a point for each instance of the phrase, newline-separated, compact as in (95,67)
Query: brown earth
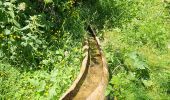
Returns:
(92,82)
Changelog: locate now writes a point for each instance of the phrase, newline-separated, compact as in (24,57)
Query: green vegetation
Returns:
(138,55)
(41,41)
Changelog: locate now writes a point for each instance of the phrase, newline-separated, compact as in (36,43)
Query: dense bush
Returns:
(26,36)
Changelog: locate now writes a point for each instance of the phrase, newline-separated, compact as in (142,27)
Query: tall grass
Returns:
(138,55)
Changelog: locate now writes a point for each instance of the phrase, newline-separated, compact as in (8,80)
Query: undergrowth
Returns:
(138,56)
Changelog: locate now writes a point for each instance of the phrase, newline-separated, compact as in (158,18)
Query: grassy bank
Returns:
(138,55)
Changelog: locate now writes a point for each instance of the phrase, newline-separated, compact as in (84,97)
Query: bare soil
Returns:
(93,82)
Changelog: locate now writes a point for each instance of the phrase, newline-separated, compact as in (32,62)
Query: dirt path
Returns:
(93,78)
(94,74)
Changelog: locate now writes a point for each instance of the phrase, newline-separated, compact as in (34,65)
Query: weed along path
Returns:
(93,78)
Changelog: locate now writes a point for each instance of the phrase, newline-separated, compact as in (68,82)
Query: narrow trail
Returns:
(93,78)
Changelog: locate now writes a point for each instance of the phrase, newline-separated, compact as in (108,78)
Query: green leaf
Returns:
(108,90)
(133,55)
(11,13)
(16,23)
(52,92)
(41,86)
(25,28)
(34,82)
(139,65)
(147,83)
(7,32)
(48,1)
